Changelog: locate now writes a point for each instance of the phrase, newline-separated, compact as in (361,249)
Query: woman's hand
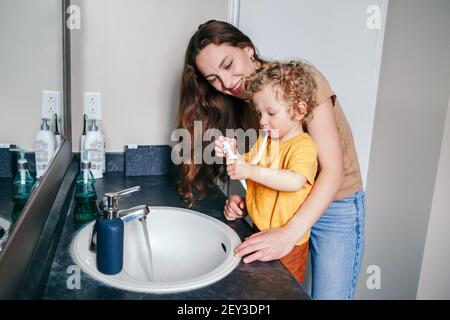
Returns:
(268,245)
(234,208)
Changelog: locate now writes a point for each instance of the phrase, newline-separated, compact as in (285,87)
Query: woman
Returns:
(218,59)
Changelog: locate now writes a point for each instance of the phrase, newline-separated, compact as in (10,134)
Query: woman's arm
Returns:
(323,129)
(276,243)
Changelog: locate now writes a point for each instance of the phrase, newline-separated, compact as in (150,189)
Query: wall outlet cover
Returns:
(50,104)
(93,105)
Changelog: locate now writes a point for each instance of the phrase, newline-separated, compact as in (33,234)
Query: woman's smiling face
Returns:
(226,68)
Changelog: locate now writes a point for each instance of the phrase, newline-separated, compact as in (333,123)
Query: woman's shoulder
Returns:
(324,90)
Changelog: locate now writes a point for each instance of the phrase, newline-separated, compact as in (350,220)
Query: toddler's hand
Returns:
(238,170)
(234,208)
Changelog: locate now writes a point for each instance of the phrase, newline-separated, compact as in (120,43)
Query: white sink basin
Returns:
(5,224)
(190,250)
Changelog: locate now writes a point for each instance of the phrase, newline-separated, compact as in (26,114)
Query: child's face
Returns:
(274,113)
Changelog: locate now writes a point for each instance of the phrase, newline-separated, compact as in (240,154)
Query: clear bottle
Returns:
(95,144)
(44,147)
(23,184)
(85,194)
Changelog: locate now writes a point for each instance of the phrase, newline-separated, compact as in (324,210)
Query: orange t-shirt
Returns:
(271,208)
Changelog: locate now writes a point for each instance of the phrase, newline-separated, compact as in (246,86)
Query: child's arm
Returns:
(277,179)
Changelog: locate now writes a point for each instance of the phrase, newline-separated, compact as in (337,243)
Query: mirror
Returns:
(31,88)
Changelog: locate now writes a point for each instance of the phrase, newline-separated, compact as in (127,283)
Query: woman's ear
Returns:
(249,51)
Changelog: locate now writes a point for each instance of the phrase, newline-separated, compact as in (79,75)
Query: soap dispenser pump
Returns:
(23,184)
(110,231)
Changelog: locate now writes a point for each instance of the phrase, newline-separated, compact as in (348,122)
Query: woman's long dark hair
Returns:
(200,101)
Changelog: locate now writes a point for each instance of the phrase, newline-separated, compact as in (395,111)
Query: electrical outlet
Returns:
(93,105)
(50,104)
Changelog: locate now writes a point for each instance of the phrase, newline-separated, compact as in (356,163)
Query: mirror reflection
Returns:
(31,91)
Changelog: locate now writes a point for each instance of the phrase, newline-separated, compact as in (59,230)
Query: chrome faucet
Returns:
(109,206)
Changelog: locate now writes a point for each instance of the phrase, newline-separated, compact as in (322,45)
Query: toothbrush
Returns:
(232,156)
(262,148)
(57,135)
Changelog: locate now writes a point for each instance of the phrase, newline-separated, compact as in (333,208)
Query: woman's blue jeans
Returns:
(337,246)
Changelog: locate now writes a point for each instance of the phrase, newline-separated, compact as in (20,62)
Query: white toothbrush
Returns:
(262,148)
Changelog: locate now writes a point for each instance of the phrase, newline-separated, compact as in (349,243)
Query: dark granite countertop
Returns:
(257,280)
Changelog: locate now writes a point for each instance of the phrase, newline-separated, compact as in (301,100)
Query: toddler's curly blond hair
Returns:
(294,78)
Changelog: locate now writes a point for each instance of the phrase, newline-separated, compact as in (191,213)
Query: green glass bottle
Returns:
(23,184)
(85,195)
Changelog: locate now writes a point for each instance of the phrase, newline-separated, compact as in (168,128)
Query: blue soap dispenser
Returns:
(110,230)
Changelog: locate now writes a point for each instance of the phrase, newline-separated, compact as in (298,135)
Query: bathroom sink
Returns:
(189,250)
(4,225)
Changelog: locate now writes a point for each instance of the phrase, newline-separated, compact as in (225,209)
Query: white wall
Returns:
(434,280)
(30,61)
(396,115)
(132,52)
(407,137)
(332,35)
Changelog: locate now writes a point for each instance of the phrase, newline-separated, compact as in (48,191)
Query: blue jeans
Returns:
(337,246)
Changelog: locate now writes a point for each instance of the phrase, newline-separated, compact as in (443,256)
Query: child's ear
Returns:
(301,110)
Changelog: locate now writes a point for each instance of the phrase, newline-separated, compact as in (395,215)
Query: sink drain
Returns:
(223,247)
